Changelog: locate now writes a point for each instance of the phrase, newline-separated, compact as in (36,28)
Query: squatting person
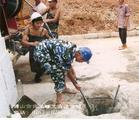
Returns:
(31,38)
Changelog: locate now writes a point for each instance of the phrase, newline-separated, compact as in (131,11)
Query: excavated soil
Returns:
(86,16)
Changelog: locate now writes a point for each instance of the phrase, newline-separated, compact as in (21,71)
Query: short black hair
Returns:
(37,19)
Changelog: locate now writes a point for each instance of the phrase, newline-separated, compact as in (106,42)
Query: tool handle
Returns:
(29,4)
(114,101)
(76,84)
(88,106)
(49,30)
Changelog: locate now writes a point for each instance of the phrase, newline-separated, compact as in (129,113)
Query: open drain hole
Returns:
(99,105)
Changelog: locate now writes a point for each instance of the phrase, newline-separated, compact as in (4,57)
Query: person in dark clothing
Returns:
(56,57)
(31,38)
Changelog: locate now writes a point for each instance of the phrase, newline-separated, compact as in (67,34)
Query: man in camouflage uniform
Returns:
(56,57)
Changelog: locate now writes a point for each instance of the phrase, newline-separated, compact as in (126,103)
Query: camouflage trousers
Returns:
(58,77)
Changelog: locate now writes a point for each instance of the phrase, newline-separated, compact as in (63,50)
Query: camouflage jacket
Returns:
(55,54)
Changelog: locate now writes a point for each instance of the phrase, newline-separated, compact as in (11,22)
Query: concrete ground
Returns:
(108,68)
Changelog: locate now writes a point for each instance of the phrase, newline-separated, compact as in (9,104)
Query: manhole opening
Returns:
(99,105)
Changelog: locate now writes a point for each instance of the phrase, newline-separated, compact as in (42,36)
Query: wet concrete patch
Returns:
(133,67)
(131,58)
(130,55)
(132,74)
(23,72)
(127,51)
(129,76)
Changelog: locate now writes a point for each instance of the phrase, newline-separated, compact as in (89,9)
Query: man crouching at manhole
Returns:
(56,57)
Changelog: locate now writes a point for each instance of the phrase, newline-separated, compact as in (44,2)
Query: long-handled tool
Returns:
(49,30)
(88,106)
(114,100)
(29,4)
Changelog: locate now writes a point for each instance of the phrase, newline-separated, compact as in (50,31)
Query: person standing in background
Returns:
(123,14)
(53,15)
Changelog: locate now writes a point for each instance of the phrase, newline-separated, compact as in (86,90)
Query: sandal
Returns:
(122,48)
(58,106)
(62,105)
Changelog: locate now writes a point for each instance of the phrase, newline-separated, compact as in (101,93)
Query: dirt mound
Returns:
(85,16)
